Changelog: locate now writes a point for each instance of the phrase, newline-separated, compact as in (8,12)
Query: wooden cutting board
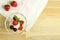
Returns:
(47,26)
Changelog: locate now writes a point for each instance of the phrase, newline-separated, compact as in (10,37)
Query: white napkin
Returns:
(31,9)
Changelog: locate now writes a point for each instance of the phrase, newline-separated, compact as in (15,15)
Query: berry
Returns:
(7,7)
(15,22)
(21,22)
(14,29)
(14,18)
(11,27)
(14,4)
(20,28)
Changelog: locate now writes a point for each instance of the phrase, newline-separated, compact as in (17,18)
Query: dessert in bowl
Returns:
(15,23)
(31,9)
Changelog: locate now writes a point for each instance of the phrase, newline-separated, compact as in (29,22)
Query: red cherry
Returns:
(21,27)
(14,4)
(15,22)
(7,7)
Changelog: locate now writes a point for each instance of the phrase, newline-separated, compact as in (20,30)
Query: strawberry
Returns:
(14,4)
(15,22)
(21,22)
(21,27)
(7,7)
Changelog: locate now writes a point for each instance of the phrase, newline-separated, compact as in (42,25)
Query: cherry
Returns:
(14,4)
(7,7)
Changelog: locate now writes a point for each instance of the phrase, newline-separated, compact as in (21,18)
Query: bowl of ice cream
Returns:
(15,23)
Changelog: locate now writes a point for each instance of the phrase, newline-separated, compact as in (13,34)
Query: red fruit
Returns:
(15,22)
(21,27)
(21,22)
(7,7)
(14,4)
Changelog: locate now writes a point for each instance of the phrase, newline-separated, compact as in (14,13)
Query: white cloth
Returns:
(31,9)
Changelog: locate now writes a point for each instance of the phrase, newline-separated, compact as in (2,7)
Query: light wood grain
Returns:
(47,26)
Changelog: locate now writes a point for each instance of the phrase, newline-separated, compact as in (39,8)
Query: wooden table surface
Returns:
(47,26)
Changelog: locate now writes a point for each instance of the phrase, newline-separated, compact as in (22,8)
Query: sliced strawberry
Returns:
(21,27)
(21,22)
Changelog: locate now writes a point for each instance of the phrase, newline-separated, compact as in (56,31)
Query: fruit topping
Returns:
(21,22)
(16,18)
(15,22)
(11,27)
(14,29)
(21,27)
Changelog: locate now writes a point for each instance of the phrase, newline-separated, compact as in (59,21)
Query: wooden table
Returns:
(47,26)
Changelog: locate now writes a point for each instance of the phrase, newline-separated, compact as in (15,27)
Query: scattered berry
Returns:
(11,27)
(7,7)
(14,4)
(14,29)
(21,22)
(15,22)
